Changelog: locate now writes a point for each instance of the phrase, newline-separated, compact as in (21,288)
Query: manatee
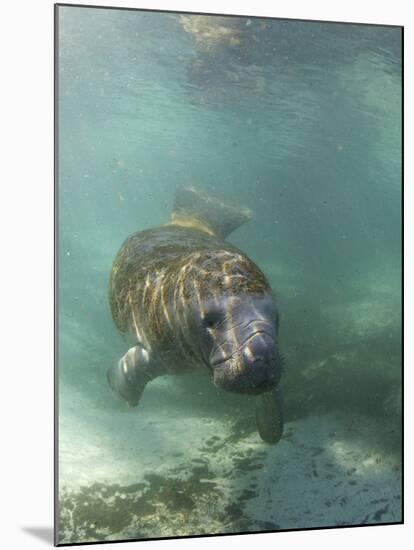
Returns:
(193,302)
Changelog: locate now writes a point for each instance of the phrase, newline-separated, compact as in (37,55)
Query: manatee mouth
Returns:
(242,383)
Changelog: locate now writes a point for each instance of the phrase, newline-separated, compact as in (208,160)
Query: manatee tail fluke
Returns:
(269,416)
(195,208)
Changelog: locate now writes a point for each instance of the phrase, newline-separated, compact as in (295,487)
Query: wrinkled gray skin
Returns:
(237,338)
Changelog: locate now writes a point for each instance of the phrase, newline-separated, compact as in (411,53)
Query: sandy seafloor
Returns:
(132,476)
(170,468)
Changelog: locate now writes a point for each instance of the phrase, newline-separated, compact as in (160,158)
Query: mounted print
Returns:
(228,282)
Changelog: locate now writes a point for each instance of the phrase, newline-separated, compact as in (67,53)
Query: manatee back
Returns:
(149,262)
(142,257)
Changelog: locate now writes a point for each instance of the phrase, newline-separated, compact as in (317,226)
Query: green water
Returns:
(299,121)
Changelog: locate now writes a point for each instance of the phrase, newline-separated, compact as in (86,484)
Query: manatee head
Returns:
(242,343)
(232,323)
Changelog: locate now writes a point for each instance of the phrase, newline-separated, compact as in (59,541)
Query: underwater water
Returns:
(300,122)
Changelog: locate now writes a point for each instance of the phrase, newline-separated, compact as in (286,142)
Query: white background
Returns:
(26,270)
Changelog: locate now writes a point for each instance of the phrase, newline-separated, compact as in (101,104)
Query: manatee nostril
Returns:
(259,350)
(260,363)
(248,354)
(251,359)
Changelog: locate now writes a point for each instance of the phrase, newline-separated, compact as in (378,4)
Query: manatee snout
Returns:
(253,368)
(260,362)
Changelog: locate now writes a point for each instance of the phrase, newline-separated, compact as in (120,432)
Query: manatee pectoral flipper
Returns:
(269,415)
(129,377)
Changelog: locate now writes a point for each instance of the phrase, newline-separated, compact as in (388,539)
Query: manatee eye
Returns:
(211,318)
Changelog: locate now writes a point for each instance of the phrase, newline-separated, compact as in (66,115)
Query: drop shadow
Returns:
(43,533)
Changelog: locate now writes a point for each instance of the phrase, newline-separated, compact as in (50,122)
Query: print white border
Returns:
(27,268)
